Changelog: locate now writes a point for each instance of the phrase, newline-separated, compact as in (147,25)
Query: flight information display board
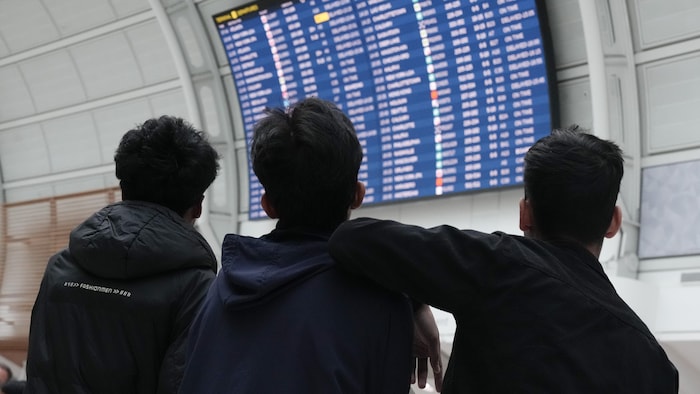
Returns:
(445,96)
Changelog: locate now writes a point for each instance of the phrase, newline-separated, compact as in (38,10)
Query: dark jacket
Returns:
(280,318)
(532,316)
(114,308)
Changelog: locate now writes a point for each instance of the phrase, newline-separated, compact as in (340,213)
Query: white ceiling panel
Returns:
(23,153)
(129,7)
(152,52)
(669,214)
(171,103)
(222,225)
(107,65)
(666,21)
(113,121)
(187,38)
(567,31)
(575,104)
(75,16)
(53,80)
(243,180)
(4,49)
(220,201)
(210,111)
(72,142)
(25,24)
(79,185)
(669,100)
(112,181)
(26,193)
(206,10)
(14,95)
(234,107)
(168,3)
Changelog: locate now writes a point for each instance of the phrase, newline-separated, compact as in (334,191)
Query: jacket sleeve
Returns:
(441,266)
(173,366)
(37,354)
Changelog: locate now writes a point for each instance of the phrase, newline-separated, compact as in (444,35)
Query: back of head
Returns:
(165,161)
(572,179)
(307,159)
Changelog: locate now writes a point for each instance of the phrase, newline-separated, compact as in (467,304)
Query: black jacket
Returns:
(282,319)
(114,308)
(532,316)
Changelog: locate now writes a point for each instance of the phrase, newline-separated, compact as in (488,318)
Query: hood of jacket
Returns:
(132,239)
(256,270)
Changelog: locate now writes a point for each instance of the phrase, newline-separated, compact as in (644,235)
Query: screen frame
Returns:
(552,90)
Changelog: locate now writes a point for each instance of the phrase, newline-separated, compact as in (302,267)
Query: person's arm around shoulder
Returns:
(440,266)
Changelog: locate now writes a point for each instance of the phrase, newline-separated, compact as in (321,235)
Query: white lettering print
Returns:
(97,289)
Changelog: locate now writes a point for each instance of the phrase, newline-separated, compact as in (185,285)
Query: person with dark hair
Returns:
(280,318)
(534,314)
(114,309)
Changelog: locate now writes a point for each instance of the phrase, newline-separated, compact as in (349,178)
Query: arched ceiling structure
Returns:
(71,79)
(75,75)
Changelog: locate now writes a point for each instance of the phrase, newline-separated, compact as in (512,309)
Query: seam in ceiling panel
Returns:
(118,98)
(78,38)
(75,65)
(13,26)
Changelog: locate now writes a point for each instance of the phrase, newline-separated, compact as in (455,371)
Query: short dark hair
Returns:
(307,159)
(166,161)
(572,180)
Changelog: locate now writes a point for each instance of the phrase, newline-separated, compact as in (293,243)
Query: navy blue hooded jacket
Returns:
(280,318)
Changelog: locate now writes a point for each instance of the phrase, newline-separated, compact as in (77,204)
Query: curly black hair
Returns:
(166,161)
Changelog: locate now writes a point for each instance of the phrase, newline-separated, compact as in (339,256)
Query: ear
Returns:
(193,212)
(525,216)
(615,223)
(359,195)
(197,208)
(268,208)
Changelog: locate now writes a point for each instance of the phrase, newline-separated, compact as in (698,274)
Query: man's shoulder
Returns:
(358,290)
